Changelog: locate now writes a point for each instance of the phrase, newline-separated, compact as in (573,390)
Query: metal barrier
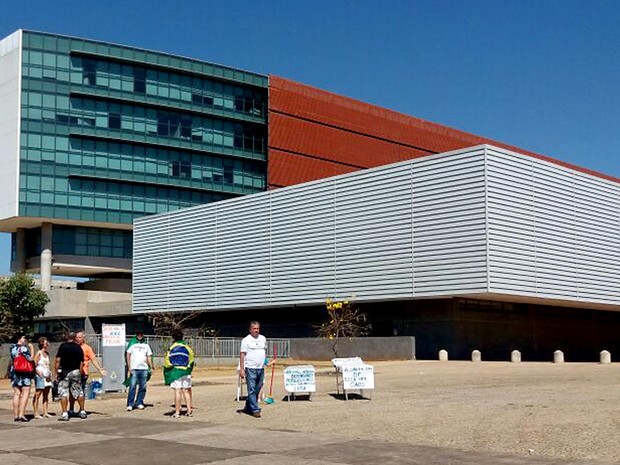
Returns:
(213,347)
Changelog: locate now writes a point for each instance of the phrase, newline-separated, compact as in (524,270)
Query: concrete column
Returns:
(515,356)
(476,356)
(605,356)
(20,250)
(88,326)
(443,355)
(46,256)
(558,356)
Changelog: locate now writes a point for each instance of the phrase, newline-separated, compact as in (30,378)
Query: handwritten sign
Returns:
(113,335)
(300,378)
(340,362)
(358,376)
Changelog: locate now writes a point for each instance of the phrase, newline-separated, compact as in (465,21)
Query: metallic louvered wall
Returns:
(553,232)
(471,222)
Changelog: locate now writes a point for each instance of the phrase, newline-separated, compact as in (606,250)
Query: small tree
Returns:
(166,322)
(20,304)
(345,320)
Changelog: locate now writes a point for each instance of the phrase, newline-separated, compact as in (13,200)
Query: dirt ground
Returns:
(566,411)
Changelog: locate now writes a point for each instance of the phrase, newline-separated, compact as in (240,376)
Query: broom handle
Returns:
(273,369)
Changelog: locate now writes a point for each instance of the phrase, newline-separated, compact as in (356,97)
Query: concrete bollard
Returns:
(558,356)
(515,356)
(443,355)
(605,356)
(476,356)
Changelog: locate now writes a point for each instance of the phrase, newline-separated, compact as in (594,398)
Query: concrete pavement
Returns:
(105,439)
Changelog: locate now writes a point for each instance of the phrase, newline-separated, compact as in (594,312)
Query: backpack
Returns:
(22,366)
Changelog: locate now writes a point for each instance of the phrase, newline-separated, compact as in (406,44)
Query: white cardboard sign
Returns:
(300,378)
(113,335)
(358,377)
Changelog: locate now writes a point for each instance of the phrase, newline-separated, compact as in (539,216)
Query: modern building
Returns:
(480,248)
(94,135)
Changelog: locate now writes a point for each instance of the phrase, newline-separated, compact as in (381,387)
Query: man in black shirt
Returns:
(68,369)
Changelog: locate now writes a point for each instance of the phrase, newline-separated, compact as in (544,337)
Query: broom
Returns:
(270,399)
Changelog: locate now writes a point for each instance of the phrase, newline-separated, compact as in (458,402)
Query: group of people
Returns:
(71,369)
(69,374)
(179,363)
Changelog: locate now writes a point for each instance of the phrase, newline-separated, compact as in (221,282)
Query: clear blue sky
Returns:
(543,75)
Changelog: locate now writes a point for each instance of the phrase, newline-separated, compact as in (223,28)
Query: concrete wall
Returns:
(368,348)
(10,85)
(71,303)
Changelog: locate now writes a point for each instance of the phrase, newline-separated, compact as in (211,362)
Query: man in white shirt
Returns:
(251,363)
(139,361)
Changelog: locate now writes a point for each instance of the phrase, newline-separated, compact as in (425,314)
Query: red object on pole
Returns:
(273,369)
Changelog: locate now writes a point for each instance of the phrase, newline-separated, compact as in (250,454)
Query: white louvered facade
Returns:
(480,222)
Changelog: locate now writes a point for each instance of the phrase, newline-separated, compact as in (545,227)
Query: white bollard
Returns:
(515,356)
(443,355)
(605,356)
(476,356)
(558,356)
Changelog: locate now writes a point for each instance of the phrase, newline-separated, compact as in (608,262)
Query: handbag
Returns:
(22,366)
(55,395)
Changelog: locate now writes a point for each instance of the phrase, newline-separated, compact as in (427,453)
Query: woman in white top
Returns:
(43,379)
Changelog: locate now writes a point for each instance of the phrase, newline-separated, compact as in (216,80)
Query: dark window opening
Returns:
(114,121)
(181,169)
(228,173)
(186,129)
(89,70)
(139,80)
(168,124)
(202,100)
(66,119)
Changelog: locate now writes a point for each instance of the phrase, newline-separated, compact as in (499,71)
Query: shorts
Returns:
(184,382)
(18,381)
(41,383)
(71,384)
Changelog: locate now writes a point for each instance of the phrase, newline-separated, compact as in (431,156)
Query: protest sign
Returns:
(300,378)
(358,376)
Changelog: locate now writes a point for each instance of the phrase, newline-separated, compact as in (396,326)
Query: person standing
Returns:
(251,361)
(43,378)
(68,367)
(89,356)
(140,361)
(178,366)
(20,382)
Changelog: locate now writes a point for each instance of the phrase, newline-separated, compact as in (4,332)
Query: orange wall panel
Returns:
(320,125)
(306,102)
(303,137)
(287,169)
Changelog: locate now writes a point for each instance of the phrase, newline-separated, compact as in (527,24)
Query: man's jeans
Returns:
(138,379)
(254,380)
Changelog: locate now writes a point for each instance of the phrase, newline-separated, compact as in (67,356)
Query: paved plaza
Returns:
(104,439)
(419,413)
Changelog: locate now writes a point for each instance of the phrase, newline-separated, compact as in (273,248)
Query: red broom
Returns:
(270,399)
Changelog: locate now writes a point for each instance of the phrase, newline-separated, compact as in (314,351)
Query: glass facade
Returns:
(111,133)
(71,240)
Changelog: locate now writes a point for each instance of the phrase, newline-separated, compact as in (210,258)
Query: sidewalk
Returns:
(490,412)
(101,441)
